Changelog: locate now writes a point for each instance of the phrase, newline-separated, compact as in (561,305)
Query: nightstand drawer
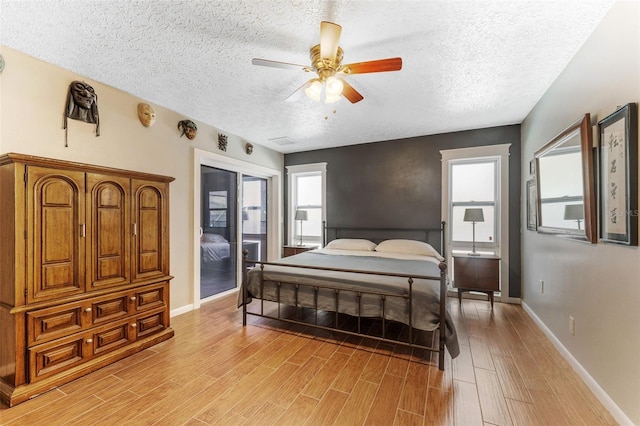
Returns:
(482,273)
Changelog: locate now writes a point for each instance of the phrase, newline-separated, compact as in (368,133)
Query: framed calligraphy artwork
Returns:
(618,148)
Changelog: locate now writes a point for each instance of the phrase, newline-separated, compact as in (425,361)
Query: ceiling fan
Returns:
(326,62)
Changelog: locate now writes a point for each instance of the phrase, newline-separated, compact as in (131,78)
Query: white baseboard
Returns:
(181,310)
(605,399)
(499,297)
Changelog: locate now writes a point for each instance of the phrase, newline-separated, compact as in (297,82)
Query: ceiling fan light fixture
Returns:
(314,89)
(326,61)
(334,87)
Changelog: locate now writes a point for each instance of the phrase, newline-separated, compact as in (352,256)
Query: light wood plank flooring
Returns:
(216,372)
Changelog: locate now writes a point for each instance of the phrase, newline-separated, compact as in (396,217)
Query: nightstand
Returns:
(290,250)
(253,248)
(476,273)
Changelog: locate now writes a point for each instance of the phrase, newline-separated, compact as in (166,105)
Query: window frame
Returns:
(293,173)
(500,151)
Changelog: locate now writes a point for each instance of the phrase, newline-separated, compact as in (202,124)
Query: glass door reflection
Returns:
(254,217)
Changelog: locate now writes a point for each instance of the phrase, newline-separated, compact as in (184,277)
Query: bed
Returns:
(396,280)
(214,250)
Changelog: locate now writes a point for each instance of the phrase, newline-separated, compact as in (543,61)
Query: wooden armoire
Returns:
(84,270)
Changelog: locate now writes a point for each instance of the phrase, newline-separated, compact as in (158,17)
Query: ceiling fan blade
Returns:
(380,65)
(329,39)
(297,93)
(350,93)
(277,64)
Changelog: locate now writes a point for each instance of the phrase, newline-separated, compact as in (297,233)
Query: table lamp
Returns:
(574,212)
(474,215)
(301,215)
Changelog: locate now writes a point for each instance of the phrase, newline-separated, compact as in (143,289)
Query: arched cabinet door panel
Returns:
(150,235)
(108,231)
(56,232)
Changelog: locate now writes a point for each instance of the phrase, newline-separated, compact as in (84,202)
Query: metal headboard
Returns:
(433,236)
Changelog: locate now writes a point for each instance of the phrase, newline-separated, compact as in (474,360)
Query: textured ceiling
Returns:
(466,64)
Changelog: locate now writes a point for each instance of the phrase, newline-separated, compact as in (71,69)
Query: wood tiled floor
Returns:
(214,371)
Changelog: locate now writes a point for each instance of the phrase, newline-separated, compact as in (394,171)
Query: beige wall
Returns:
(597,284)
(31,111)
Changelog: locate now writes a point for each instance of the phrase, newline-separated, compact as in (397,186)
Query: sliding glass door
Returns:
(237,207)
(219,230)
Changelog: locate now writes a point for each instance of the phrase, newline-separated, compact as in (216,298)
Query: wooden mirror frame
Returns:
(583,126)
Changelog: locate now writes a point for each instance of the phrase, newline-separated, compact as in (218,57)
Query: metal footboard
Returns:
(383,297)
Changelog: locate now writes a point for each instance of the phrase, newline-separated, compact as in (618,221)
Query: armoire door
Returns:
(150,237)
(109,231)
(56,232)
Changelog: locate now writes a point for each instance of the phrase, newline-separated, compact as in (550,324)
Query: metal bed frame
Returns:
(340,232)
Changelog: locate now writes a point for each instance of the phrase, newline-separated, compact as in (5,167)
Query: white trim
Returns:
(501,151)
(311,167)
(274,207)
(181,310)
(300,169)
(602,396)
(475,152)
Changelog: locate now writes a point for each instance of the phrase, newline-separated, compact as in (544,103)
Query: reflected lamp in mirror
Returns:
(473,215)
(301,215)
(565,181)
(574,212)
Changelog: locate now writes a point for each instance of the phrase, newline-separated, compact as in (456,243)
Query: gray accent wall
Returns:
(399,183)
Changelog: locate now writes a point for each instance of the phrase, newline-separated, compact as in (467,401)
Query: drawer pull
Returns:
(133,298)
(89,340)
(134,325)
(87,309)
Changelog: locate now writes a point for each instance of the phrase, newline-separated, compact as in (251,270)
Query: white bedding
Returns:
(214,248)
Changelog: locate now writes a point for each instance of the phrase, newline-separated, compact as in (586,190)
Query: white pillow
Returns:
(351,244)
(213,238)
(408,247)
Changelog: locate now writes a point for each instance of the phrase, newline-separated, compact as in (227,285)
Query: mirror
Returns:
(564,177)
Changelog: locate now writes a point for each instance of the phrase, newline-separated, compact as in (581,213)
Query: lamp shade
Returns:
(473,215)
(573,212)
(314,89)
(301,215)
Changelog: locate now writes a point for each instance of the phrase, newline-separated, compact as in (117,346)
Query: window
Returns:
(307,185)
(473,184)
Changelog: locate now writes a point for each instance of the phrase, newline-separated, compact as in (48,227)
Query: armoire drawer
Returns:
(47,324)
(58,355)
(152,297)
(44,325)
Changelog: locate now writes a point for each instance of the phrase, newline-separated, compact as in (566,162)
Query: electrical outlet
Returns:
(572,326)
(541,286)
